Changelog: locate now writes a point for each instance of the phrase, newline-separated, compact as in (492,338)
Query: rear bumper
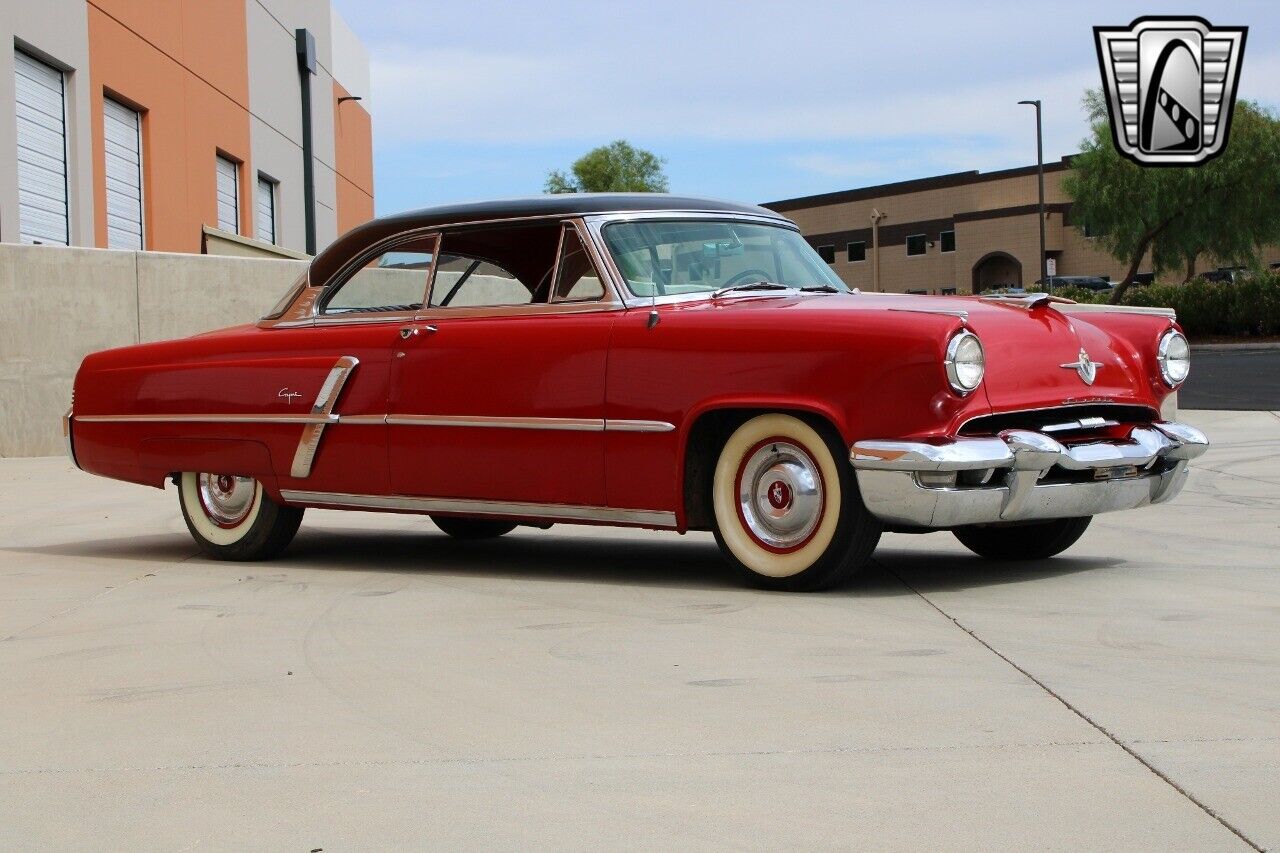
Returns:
(1021,475)
(67,438)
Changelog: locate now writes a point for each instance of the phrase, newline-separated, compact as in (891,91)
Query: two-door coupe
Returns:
(650,361)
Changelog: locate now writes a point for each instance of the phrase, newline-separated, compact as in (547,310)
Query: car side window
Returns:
(463,281)
(395,280)
(576,276)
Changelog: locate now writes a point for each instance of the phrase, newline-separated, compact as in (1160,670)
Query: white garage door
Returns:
(266,218)
(42,151)
(228,196)
(123,141)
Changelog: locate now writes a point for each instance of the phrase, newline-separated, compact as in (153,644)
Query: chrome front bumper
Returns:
(990,480)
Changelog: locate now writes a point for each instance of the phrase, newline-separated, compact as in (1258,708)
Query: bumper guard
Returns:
(921,484)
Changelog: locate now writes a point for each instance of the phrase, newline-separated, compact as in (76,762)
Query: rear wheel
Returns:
(1037,541)
(232,518)
(787,511)
(460,527)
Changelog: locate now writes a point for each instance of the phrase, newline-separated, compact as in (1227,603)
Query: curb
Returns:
(1273,346)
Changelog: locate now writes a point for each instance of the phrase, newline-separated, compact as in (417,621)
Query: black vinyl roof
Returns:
(564,204)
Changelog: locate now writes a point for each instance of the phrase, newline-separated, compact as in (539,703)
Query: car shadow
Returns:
(669,561)
(895,571)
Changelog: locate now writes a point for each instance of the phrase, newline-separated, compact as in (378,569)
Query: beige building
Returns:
(959,233)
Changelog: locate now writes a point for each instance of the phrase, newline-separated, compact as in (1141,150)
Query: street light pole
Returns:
(876,216)
(1044,262)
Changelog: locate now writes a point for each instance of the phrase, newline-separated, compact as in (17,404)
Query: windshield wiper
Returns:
(773,285)
(751,285)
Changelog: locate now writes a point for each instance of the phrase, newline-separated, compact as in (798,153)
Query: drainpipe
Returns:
(306,48)
(876,216)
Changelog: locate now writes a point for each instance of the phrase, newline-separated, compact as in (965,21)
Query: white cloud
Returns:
(839,92)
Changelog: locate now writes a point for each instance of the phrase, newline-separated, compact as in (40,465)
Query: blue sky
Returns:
(746,100)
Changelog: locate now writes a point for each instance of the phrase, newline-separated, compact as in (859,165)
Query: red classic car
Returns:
(650,361)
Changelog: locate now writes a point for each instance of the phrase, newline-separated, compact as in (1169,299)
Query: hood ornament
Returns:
(1085,366)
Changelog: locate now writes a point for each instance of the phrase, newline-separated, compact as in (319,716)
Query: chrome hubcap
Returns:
(227,500)
(780,495)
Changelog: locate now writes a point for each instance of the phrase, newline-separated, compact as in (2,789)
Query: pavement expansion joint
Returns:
(1204,807)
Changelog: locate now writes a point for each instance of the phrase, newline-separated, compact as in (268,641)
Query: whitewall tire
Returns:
(232,518)
(787,510)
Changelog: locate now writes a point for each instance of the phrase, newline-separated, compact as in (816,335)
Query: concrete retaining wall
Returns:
(57,305)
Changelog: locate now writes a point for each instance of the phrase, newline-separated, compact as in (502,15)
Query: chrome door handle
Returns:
(407,332)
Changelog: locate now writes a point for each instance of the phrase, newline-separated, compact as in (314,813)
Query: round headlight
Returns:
(1174,356)
(965,362)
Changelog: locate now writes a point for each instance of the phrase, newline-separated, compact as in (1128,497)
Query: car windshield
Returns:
(702,256)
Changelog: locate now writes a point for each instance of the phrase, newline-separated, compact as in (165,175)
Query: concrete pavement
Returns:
(381,686)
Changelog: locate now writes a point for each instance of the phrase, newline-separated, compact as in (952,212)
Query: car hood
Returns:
(1028,350)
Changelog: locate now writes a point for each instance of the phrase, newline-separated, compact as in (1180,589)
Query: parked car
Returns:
(645,361)
(1088,282)
(1225,275)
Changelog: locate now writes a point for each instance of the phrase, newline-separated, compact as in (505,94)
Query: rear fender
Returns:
(159,457)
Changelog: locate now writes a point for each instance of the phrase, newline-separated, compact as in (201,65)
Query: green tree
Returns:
(617,167)
(1227,208)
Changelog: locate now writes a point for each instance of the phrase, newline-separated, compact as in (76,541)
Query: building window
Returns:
(228,195)
(1092,230)
(915,245)
(947,240)
(827,253)
(122,150)
(266,219)
(40,113)
(857,252)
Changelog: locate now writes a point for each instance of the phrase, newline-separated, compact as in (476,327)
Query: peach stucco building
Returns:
(178,125)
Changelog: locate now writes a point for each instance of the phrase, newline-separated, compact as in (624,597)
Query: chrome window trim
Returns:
(305,455)
(617,292)
(588,246)
(471,506)
(348,271)
(614,215)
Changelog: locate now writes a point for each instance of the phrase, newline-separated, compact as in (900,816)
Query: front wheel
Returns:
(1037,541)
(232,518)
(787,511)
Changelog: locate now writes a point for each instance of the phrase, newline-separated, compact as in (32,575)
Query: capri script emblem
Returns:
(287,395)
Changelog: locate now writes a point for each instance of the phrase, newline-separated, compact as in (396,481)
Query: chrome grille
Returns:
(1063,422)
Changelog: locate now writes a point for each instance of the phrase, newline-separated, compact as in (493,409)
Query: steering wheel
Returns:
(753,273)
